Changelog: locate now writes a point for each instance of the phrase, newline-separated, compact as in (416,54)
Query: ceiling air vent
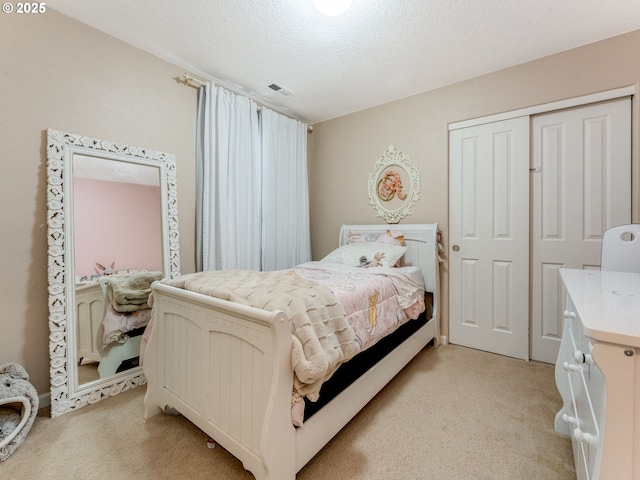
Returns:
(285,92)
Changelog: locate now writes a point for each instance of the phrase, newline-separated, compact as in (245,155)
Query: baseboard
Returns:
(444,340)
(44,400)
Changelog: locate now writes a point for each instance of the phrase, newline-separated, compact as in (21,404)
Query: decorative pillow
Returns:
(355,237)
(391,238)
(366,254)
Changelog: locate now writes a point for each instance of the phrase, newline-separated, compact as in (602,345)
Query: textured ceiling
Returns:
(379,51)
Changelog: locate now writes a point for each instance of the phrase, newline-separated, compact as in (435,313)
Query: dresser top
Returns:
(608,304)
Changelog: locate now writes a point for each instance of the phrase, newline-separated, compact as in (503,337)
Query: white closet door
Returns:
(489,237)
(581,186)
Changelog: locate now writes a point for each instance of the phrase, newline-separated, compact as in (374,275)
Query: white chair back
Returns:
(621,249)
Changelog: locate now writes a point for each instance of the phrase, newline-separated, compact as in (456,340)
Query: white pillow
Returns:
(359,254)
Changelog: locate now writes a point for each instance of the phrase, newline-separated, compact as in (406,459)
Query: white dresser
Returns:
(598,373)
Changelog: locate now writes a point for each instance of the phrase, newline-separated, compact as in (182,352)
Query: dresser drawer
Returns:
(583,410)
(600,347)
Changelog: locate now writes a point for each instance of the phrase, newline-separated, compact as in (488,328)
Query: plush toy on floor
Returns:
(18,408)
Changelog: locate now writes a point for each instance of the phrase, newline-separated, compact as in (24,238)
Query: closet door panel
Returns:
(489,237)
(581,186)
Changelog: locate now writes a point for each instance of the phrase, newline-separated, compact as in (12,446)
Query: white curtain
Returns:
(229,175)
(252,187)
(285,197)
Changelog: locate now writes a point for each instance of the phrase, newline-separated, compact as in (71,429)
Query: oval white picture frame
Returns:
(394,185)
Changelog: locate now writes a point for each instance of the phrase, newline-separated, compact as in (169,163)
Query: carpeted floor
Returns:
(452,414)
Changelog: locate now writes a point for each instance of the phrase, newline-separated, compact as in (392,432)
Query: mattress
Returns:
(350,371)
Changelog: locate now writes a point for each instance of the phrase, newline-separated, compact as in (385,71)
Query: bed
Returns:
(227,367)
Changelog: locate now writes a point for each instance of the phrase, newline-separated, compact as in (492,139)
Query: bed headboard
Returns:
(422,250)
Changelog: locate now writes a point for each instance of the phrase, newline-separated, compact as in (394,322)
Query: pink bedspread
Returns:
(376,300)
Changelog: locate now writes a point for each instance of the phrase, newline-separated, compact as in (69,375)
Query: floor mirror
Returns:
(112,221)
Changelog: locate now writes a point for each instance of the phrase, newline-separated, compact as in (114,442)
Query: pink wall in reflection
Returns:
(118,222)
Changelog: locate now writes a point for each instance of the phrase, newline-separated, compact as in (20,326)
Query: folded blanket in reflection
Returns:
(129,292)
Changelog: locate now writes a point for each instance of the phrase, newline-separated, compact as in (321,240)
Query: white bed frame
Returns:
(226,367)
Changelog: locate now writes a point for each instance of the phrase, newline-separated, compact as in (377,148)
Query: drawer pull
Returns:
(581,436)
(629,352)
(581,357)
(571,367)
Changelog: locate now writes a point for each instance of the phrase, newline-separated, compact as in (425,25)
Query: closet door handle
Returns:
(456,248)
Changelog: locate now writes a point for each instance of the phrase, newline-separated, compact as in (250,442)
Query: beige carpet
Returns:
(453,413)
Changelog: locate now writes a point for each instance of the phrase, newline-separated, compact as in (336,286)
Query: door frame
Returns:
(548,107)
(583,100)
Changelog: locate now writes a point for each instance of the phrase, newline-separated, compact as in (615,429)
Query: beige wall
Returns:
(57,73)
(344,149)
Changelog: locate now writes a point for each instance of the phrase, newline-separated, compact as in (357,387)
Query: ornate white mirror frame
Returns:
(394,185)
(67,393)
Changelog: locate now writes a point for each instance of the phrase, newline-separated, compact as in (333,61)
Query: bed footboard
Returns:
(227,368)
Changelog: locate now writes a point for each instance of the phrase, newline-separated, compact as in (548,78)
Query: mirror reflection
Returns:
(117,255)
(112,226)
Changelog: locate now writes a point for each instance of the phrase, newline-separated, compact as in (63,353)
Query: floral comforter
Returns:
(376,300)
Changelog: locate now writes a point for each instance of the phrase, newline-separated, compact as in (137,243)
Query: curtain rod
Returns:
(194,82)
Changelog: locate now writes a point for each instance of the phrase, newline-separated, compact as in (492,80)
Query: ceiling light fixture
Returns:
(332,8)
